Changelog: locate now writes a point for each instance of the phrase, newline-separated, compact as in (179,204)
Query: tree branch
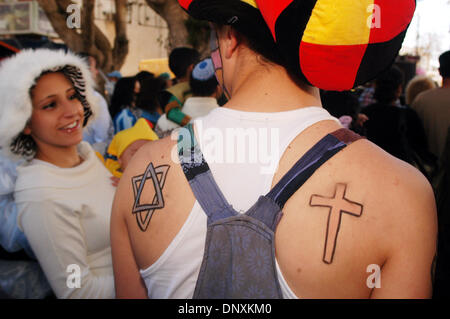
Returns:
(57,15)
(175,18)
(88,25)
(91,40)
(121,43)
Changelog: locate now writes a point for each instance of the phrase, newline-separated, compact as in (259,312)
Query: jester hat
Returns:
(331,44)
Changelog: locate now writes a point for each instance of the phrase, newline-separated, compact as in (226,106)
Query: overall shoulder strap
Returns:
(200,178)
(305,167)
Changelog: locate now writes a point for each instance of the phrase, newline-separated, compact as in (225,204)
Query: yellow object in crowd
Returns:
(140,131)
(156,66)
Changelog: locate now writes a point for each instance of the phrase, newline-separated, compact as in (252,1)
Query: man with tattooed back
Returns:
(268,196)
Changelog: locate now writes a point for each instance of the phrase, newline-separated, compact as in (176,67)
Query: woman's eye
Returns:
(49,106)
(73,96)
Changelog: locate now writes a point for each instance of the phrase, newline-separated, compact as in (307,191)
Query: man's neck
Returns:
(269,89)
(183,79)
(446,83)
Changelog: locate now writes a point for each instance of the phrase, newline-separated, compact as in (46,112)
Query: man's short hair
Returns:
(203,88)
(444,64)
(387,84)
(181,58)
(203,80)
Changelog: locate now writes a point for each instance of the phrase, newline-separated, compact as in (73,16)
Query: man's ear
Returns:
(231,42)
(189,70)
(399,91)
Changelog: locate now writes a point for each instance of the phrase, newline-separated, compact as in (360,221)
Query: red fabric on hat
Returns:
(395,17)
(330,67)
(185,3)
(271,10)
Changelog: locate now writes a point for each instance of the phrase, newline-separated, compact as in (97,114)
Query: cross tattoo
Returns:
(338,205)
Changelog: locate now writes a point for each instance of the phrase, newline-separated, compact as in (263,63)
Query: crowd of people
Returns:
(123,193)
(50,167)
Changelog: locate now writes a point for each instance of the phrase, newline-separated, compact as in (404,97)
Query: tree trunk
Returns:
(56,14)
(175,18)
(121,43)
(91,39)
(87,25)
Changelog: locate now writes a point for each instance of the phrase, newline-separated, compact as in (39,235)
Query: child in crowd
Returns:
(205,92)
(125,144)
(181,62)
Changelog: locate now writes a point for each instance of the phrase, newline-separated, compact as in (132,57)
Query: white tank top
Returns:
(242,150)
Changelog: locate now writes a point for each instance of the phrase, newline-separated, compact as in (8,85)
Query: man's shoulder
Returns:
(399,211)
(362,207)
(380,168)
(162,150)
(384,184)
(429,97)
(159,155)
(180,91)
(393,191)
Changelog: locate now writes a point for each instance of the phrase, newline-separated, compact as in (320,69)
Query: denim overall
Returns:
(239,257)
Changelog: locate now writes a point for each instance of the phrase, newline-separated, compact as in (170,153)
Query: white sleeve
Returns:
(104,122)
(101,130)
(57,239)
(11,237)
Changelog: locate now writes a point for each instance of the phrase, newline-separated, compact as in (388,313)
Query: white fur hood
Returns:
(18,75)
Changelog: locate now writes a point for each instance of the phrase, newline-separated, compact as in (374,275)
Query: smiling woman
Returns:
(56,121)
(63,192)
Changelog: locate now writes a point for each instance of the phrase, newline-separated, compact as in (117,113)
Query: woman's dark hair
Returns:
(387,85)
(23,144)
(147,99)
(123,95)
(144,75)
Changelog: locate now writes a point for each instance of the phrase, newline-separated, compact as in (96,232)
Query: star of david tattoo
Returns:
(338,204)
(144,212)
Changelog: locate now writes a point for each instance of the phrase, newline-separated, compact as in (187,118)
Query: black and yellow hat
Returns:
(332,44)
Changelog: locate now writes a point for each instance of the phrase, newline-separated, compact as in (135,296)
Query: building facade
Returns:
(147,32)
